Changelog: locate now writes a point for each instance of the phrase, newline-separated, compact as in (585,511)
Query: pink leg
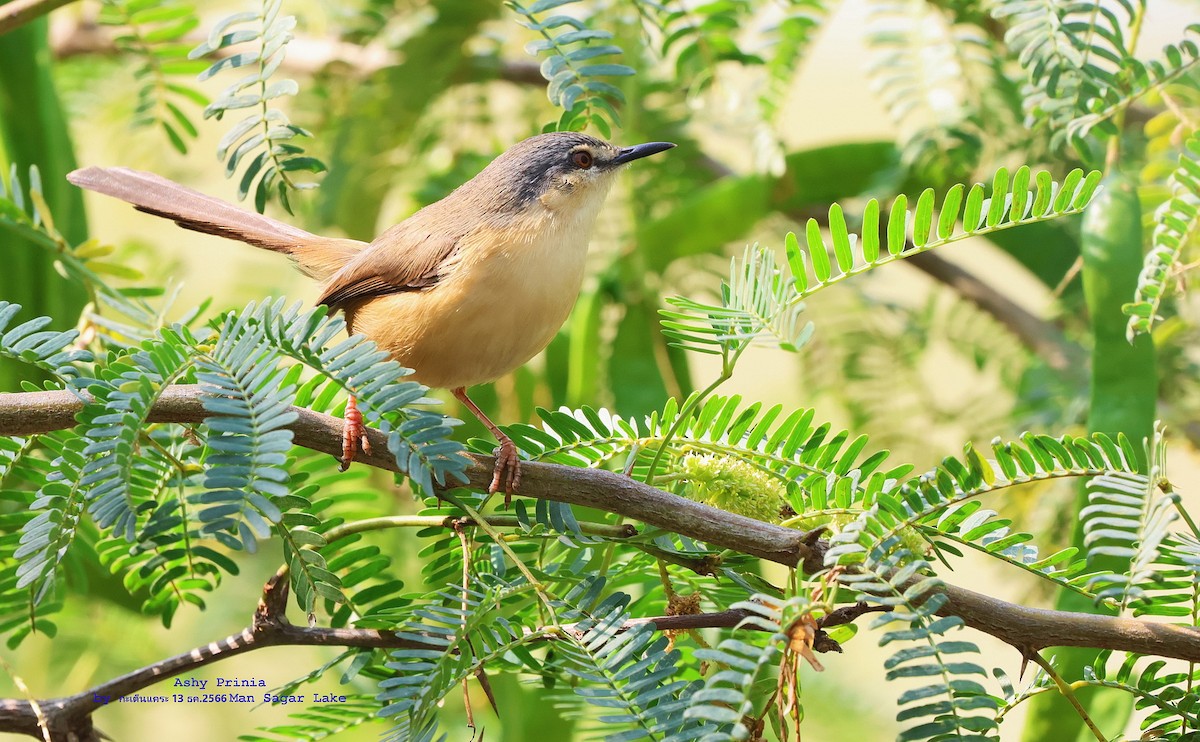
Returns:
(508,463)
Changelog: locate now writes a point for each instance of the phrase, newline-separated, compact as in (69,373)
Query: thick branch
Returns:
(1030,630)
(17,13)
(1027,629)
(23,414)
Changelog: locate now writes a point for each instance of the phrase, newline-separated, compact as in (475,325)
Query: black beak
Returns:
(638,151)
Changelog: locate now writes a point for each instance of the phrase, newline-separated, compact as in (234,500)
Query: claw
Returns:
(508,461)
(507,470)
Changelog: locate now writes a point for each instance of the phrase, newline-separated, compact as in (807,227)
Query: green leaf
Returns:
(870,232)
(897,230)
(841,240)
(817,251)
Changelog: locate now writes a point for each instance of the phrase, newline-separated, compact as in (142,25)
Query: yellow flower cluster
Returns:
(733,485)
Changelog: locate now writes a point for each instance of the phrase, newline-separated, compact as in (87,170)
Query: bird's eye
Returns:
(582,159)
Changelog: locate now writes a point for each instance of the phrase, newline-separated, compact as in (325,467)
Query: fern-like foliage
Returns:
(1175,591)
(1072,53)
(790,447)
(266,131)
(938,503)
(170,563)
(251,409)
(1127,517)
(352,579)
(627,671)
(463,631)
(443,554)
(1136,79)
(319,721)
(162,494)
(47,349)
(630,673)
(419,439)
(885,572)
(134,475)
(46,537)
(1022,198)
(575,65)
(1175,226)
(1169,696)
(117,465)
(756,303)
(730,694)
(763,458)
(246,479)
(153,31)
(12,450)
(881,548)
(22,472)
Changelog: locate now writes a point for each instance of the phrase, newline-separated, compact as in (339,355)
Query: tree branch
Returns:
(17,13)
(307,55)
(70,717)
(37,412)
(1043,338)
(1026,629)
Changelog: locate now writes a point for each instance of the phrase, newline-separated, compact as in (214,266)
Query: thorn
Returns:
(486,684)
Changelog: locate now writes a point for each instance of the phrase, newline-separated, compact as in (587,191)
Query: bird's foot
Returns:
(354,433)
(507,473)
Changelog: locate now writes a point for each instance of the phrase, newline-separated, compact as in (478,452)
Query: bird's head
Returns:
(561,170)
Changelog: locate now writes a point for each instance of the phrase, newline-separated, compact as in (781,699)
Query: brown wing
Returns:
(406,257)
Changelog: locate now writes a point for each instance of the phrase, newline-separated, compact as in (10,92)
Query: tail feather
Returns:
(319,257)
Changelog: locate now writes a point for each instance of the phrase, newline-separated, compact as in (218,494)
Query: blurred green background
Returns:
(407,100)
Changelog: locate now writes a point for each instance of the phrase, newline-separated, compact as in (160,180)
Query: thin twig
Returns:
(307,55)
(63,717)
(498,539)
(17,13)
(1069,693)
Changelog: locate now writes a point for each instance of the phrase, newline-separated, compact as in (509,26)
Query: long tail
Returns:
(319,257)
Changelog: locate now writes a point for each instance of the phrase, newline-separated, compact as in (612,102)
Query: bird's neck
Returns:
(570,215)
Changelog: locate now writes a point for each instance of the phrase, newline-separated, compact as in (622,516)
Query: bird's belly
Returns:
(478,325)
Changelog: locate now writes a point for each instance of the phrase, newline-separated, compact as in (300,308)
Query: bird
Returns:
(463,291)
